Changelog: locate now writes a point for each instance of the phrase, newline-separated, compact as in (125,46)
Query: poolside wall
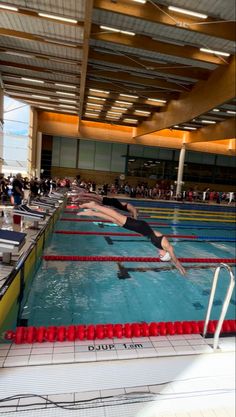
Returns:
(21,276)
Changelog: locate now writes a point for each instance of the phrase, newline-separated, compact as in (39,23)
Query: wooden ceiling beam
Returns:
(149,12)
(182,71)
(218,89)
(222,130)
(147,43)
(38,55)
(35,68)
(25,84)
(30,37)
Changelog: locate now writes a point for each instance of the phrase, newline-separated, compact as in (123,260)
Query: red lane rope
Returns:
(72,232)
(109,331)
(132,259)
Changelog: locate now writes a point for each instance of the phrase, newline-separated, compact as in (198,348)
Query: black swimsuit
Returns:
(113,202)
(140,226)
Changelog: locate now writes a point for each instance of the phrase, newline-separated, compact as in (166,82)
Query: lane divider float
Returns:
(132,259)
(109,331)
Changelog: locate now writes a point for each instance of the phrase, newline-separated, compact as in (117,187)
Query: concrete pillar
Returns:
(32,154)
(180,170)
(38,154)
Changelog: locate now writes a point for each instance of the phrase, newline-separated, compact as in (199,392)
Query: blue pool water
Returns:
(65,293)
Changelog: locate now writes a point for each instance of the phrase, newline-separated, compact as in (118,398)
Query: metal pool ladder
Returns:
(225,305)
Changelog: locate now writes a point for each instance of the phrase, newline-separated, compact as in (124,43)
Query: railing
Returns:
(225,305)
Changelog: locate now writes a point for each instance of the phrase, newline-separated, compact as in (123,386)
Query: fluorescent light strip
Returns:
(125,32)
(65,85)
(211,51)
(94,105)
(67,101)
(96,98)
(215,110)
(67,105)
(99,91)
(31,79)
(143,112)
(126,103)
(18,54)
(188,12)
(62,19)
(5,7)
(91,114)
(43,97)
(176,125)
(190,128)
(140,1)
(119,108)
(128,95)
(65,94)
(130,120)
(157,100)
(230,112)
(114,112)
(211,122)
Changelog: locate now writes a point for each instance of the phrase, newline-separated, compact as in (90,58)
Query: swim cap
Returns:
(166,257)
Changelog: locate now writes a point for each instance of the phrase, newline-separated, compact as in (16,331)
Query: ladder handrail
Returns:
(225,305)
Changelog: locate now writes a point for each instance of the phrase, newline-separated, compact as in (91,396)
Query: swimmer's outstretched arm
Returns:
(169,248)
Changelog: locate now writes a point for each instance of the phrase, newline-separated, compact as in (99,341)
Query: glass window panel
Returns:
(103,156)
(86,154)
(150,152)
(56,147)
(136,150)
(118,158)
(68,152)
(166,154)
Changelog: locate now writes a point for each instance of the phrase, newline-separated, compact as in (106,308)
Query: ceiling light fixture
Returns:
(211,122)
(67,105)
(31,79)
(114,112)
(188,12)
(91,114)
(143,112)
(176,125)
(43,97)
(65,94)
(231,112)
(119,108)
(18,54)
(211,51)
(128,95)
(99,91)
(125,32)
(156,100)
(190,128)
(140,1)
(126,103)
(130,120)
(94,105)
(62,19)
(215,110)
(65,85)
(96,98)
(66,100)
(11,8)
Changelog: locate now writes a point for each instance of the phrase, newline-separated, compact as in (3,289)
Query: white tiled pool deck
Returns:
(166,376)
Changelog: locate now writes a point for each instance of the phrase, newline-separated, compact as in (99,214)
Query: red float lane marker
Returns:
(132,259)
(72,232)
(109,331)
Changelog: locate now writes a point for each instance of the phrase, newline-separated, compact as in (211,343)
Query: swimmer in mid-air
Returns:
(85,196)
(166,251)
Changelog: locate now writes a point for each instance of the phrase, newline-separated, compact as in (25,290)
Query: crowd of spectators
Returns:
(16,188)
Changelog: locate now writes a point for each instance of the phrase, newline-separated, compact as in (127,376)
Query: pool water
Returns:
(64,293)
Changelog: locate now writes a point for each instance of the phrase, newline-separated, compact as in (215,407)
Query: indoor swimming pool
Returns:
(93,292)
